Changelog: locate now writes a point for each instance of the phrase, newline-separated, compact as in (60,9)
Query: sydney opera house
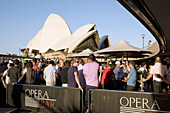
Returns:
(55,39)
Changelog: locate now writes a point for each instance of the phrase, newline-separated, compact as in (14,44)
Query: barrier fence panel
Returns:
(45,98)
(106,101)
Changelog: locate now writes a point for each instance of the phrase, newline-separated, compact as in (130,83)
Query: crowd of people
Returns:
(75,73)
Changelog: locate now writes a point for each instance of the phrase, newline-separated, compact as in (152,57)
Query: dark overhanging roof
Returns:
(154,15)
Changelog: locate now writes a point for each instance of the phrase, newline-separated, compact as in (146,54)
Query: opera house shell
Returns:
(56,36)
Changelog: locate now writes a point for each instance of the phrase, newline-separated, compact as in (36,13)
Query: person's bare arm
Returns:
(85,77)
(148,77)
(77,79)
(128,68)
(54,75)
(44,76)
(23,73)
(2,78)
(126,78)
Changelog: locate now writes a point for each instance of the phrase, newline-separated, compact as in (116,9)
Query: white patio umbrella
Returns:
(85,53)
(124,49)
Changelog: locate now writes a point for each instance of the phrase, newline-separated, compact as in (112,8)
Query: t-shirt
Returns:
(91,70)
(25,55)
(64,76)
(14,74)
(132,80)
(142,70)
(49,73)
(71,76)
(118,73)
(106,76)
(35,67)
(30,76)
(57,67)
(81,76)
(7,80)
(158,68)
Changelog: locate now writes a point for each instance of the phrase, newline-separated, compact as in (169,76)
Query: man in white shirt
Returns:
(158,71)
(50,74)
(5,74)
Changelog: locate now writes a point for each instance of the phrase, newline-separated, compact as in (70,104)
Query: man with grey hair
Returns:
(158,71)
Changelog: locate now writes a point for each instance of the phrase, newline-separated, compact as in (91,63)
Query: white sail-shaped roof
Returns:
(34,43)
(66,43)
(55,30)
(72,42)
(84,37)
(56,35)
(83,30)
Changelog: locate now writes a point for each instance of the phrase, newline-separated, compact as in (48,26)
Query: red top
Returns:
(106,76)
(35,67)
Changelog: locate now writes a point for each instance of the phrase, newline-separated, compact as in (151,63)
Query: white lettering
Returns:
(36,93)
(32,92)
(138,101)
(45,95)
(127,101)
(145,103)
(39,94)
(27,92)
(155,104)
(132,100)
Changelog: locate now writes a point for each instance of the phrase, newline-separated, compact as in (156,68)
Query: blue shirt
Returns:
(132,80)
(118,72)
(81,76)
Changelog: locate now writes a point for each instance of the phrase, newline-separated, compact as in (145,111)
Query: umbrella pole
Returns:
(127,56)
(122,58)
(123,55)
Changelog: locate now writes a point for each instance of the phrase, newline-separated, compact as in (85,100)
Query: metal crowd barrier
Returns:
(70,100)
(107,101)
(47,99)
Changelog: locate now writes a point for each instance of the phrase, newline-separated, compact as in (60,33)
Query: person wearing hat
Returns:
(118,73)
(117,69)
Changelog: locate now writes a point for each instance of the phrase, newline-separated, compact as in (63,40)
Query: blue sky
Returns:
(20,20)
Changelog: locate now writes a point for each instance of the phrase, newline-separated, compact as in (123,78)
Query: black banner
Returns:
(106,101)
(45,98)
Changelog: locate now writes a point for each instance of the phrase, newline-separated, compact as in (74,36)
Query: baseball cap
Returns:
(117,62)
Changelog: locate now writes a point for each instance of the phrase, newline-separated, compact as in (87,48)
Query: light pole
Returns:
(143,36)
(19,51)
